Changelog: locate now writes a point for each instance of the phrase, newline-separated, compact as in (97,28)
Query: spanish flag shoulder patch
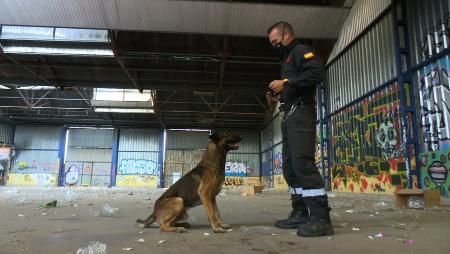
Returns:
(309,55)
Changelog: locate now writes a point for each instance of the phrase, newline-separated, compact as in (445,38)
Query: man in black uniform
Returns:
(301,71)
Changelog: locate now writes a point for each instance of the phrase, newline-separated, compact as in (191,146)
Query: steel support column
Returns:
(406,88)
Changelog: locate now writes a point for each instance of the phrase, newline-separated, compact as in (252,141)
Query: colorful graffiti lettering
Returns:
(436,39)
(234,168)
(233,181)
(368,155)
(278,164)
(318,156)
(434,95)
(22,165)
(435,168)
(138,167)
(435,105)
(32,179)
(35,167)
(136,181)
(5,156)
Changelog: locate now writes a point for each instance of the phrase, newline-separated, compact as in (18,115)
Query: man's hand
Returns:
(277,86)
(271,99)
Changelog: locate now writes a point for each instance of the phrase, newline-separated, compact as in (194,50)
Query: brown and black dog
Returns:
(199,186)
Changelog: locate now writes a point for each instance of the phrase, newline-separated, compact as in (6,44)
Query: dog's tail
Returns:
(147,222)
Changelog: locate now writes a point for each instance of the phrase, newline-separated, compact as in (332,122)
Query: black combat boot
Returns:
(319,223)
(297,217)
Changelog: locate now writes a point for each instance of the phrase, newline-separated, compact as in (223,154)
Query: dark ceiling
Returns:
(206,81)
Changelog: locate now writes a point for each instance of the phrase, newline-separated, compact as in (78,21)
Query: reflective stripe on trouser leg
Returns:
(298,191)
(314,192)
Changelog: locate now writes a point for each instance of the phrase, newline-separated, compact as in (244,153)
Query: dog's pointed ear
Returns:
(214,137)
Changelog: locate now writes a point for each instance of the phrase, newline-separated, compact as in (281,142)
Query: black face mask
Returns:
(279,49)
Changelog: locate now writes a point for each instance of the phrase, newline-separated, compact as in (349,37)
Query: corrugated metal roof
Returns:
(187,139)
(234,18)
(427,24)
(265,136)
(90,138)
(249,143)
(139,140)
(369,63)
(6,133)
(361,15)
(37,137)
(90,155)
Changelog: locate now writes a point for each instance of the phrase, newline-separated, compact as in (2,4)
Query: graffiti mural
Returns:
(435,171)
(32,179)
(137,181)
(387,137)
(72,173)
(434,95)
(278,164)
(436,39)
(318,156)
(435,123)
(277,179)
(5,156)
(34,166)
(138,167)
(234,181)
(84,173)
(234,168)
(435,106)
(368,151)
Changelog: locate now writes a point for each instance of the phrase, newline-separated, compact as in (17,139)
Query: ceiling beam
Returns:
(113,36)
(241,87)
(113,68)
(7,56)
(207,104)
(25,99)
(264,106)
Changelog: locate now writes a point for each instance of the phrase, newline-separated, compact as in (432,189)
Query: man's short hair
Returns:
(281,25)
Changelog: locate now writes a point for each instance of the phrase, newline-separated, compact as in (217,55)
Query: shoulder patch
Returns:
(309,55)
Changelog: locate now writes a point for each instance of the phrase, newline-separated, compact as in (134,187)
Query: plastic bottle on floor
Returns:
(93,248)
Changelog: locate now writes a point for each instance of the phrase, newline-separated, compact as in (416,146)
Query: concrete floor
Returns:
(24,228)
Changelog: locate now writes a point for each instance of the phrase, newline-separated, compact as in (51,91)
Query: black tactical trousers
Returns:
(299,141)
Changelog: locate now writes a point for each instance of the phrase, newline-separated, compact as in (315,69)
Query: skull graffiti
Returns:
(387,139)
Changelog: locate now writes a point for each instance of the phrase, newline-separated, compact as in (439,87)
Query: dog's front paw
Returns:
(219,230)
(225,226)
(181,230)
